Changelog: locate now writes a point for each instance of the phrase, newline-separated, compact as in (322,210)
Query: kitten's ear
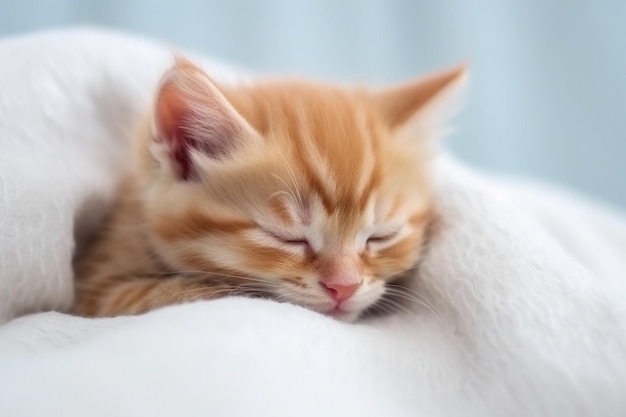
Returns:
(424,104)
(193,117)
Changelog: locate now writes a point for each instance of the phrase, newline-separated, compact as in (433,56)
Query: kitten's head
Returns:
(316,192)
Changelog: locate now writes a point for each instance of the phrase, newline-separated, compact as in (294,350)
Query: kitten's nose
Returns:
(340,292)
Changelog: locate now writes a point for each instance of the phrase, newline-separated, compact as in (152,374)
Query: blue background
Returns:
(548,93)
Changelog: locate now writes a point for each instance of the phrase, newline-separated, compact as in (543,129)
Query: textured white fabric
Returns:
(527,284)
(68,102)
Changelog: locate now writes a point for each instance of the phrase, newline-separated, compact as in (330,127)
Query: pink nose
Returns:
(340,292)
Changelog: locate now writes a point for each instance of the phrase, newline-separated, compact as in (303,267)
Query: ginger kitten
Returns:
(304,192)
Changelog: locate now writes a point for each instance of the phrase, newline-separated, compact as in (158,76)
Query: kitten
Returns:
(304,192)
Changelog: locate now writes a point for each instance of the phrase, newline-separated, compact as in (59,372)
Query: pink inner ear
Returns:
(171,114)
(188,123)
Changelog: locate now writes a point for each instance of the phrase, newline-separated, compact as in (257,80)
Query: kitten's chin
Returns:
(348,316)
(337,313)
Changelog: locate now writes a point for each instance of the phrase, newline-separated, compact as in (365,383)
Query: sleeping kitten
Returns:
(308,193)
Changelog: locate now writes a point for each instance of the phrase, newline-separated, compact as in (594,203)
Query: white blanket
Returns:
(527,286)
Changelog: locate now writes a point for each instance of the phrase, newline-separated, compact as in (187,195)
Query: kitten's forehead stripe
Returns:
(334,144)
(372,184)
(314,181)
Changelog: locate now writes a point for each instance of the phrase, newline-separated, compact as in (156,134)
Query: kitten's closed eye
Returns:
(375,241)
(289,240)
(382,238)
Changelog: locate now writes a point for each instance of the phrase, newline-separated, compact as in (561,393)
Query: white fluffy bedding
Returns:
(527,285)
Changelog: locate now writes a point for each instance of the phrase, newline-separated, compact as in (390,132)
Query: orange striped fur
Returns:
(270,189)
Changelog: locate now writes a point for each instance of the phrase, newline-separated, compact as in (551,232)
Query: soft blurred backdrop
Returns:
(548,93)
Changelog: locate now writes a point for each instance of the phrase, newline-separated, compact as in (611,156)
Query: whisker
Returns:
(385,309)
(408,296)
(395,307)
(398,289)
(378,307)
(220,292)
(225,275)
(404,288)
(217,287)
(412,299)
(415,298)
(286,186)
(294,182)
(213,293)
(203,273)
